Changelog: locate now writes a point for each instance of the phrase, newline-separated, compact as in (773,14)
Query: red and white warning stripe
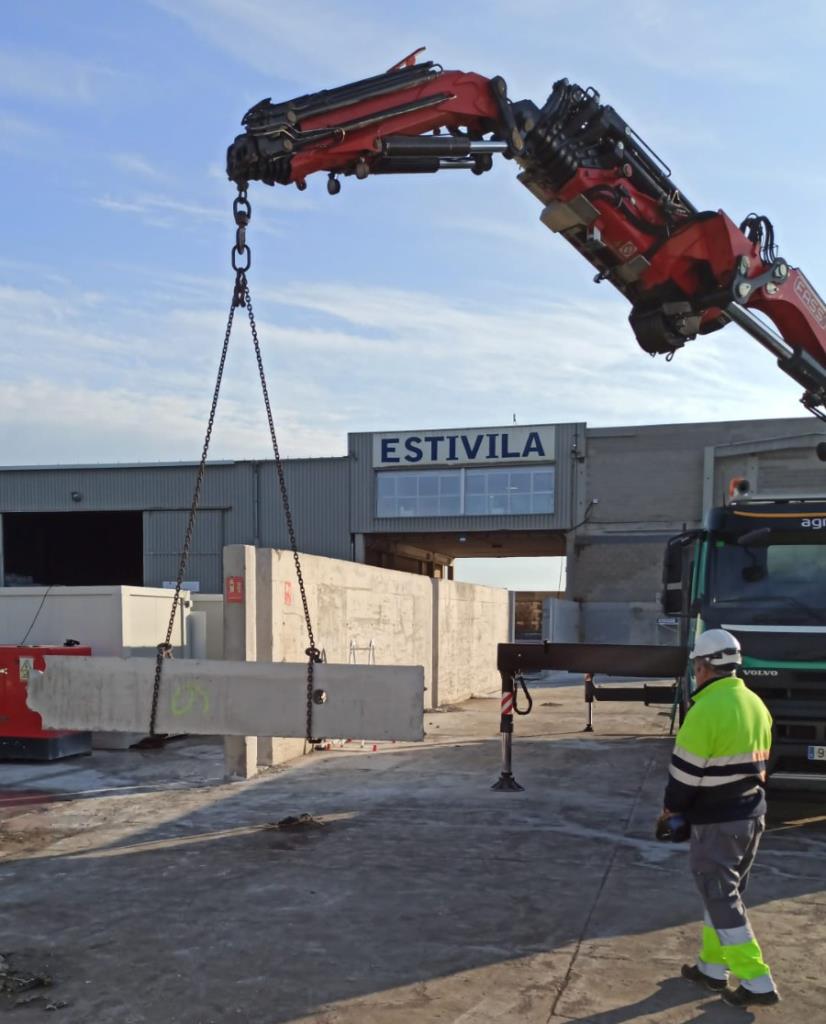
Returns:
(507,703)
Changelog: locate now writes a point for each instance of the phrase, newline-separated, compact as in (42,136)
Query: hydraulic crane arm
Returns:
(685,272)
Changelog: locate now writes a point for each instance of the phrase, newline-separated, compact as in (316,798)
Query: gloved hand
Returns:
(672,828)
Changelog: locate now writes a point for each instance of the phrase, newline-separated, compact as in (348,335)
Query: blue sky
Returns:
(401,303)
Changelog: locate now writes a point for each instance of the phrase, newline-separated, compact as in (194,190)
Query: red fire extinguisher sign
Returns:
(235,590)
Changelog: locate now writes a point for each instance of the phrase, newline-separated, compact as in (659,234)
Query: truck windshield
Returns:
(782,582)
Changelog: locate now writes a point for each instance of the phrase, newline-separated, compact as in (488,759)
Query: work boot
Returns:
(743,997)
(693,973)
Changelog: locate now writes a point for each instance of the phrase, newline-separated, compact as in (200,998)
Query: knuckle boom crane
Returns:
(685,271)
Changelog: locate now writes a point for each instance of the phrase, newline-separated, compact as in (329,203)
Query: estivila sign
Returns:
(482,446)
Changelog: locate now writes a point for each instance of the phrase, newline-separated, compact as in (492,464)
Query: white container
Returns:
(118,622)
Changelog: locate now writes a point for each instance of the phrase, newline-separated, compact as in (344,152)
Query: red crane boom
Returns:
(685,271)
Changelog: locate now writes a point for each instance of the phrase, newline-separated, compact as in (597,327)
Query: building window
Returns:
(465,492)
(509,492)
(430,493)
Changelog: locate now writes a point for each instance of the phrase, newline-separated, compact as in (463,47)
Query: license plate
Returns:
(817,753)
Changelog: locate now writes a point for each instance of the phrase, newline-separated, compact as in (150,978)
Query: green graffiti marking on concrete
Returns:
(186,698)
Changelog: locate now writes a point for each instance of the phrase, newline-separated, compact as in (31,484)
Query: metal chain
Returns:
(165,649)
(312,652)
(240,297)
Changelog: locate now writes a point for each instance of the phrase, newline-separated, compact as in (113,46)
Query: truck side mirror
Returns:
(671,596)
(675,569)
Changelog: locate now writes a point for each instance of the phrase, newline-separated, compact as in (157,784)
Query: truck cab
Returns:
(758,569)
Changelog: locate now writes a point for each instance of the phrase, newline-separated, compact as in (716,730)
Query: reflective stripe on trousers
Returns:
(721,857)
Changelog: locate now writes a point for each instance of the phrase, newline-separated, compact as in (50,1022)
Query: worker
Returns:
(716,782)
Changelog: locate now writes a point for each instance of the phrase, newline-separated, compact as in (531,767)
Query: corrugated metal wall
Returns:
(647,479)
(363,494)
(240,504)
(319,491)
(163,535)
(115,488)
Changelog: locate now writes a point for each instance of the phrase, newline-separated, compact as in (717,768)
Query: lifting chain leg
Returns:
(241,260)
(312,652)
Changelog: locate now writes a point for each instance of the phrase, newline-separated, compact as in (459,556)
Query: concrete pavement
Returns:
(152,891)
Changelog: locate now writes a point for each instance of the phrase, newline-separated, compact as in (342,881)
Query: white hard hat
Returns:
(718,647)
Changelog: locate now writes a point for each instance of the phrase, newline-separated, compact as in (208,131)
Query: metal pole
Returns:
(589,701)
(506,780)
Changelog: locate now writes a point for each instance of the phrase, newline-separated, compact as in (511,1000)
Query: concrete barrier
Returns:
(214,698)
(358,611)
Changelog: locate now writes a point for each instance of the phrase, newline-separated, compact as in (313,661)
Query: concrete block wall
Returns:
(468,622)
(626,571)
(625,622)
(449,628)
(560,620)
(349,603)
(645,484)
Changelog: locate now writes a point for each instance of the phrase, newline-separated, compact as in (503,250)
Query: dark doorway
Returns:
(73,549)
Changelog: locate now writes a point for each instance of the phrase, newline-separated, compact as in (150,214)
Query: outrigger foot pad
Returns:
(507,783)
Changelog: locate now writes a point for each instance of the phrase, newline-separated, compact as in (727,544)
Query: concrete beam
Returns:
(229,698)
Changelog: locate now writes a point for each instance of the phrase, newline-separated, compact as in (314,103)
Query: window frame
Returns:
(464,474)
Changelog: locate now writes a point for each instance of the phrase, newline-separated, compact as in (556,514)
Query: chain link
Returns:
(240,297)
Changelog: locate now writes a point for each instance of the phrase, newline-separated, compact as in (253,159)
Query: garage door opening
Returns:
(72,549)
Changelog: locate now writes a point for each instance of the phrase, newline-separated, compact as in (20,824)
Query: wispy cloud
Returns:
(53,77)
(339,357)
(97,381)
(314,37)
(73,422)
(558,360)
(20,136)
(154,206)
(18,127)
(134,164)
(165,211)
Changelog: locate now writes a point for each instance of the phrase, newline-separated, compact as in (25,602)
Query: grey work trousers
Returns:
(721,857)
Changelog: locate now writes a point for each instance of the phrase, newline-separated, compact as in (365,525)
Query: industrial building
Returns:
(606,498)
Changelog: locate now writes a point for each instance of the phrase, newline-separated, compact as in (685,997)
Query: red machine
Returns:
(685,271)
(22,736)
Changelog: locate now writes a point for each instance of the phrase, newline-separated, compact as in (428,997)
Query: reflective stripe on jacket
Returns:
(721,753)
